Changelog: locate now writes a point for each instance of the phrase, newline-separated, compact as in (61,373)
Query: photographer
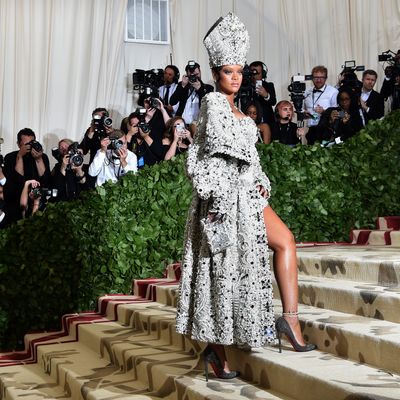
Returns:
(144,136)
(100,127)
(171,77)
(113,160)
(338,124)
(263,92)
(31,199)
(28,163)
(317,99)
(67,176)
(189,93)
(177,138)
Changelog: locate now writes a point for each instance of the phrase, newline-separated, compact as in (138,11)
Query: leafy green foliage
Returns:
(63,259)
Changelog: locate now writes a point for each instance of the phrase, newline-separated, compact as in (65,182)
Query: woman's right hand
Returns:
(334,116)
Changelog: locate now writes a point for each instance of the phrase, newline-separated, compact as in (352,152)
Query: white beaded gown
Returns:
(226,298)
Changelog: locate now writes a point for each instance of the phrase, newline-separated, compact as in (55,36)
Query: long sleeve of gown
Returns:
(216,157)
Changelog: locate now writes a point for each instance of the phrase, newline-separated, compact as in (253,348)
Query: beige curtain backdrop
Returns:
(62,58)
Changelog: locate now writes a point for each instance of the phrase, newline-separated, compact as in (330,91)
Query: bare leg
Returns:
(281,240)
(220,350)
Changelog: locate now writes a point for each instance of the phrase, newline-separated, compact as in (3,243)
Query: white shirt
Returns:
(326,98)
(365,95)
(107,168)
(192,108)
(161,91)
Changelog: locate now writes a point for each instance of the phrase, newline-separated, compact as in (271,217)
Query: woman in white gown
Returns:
(226,284)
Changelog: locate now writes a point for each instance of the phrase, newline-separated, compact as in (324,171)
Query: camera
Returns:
(101,122)
(36,145)
(152,78)
(349,76)
(39,192)
(296,90)
(190,68)
(143,125)
(115,143)
(393,63)
(75,156)
(341,113)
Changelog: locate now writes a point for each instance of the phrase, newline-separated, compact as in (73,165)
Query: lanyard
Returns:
(314,101)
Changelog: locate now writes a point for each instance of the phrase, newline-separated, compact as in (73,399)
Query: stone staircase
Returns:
(128,348)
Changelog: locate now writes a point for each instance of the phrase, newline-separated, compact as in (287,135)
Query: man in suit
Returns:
(189,93)
(171,77)
(263,91)
(372,102)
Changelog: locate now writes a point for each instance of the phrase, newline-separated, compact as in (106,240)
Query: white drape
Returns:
(59,60)
(62,58)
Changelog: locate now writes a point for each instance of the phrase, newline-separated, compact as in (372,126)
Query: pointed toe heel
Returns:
(283,327)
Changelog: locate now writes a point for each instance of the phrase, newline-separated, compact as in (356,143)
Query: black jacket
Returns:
(182,94)
(376,106)
(266,105)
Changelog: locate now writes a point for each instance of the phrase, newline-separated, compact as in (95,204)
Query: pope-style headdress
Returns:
(227,42)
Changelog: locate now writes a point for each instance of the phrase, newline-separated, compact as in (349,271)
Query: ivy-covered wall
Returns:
(60,260)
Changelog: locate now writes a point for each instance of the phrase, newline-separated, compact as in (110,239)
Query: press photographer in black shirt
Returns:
(29,162)
(68,176)
(100,127)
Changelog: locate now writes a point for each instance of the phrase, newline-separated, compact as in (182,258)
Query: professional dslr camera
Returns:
(143,125)
(115,143)
(296,90)
(44,193)
(36,145)
(151,94)
(75,156)
(393,62)
(191,67)
(101,122)
(349,77)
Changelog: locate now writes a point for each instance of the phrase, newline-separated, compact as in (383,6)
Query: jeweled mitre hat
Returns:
(227,42)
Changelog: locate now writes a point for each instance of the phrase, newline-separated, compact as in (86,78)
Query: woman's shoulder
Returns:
(214,99)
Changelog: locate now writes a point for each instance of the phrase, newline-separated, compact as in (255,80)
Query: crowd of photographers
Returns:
(164,124)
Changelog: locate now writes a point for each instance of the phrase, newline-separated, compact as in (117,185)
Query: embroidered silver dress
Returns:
(226,298)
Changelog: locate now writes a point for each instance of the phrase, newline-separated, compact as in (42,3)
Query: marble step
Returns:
(363,299)
(145,364)
(361,339)
(379,265)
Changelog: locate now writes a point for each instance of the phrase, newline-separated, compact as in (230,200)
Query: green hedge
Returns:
(60,260)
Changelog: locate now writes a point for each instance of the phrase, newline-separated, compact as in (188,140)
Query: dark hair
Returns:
(196,65)
(257,105)
(353,109)
(169,127)
(369,72)
(25,132)
(176,71)
(216,71)
(99,109)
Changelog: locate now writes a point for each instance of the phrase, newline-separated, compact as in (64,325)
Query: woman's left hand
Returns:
(264,192)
